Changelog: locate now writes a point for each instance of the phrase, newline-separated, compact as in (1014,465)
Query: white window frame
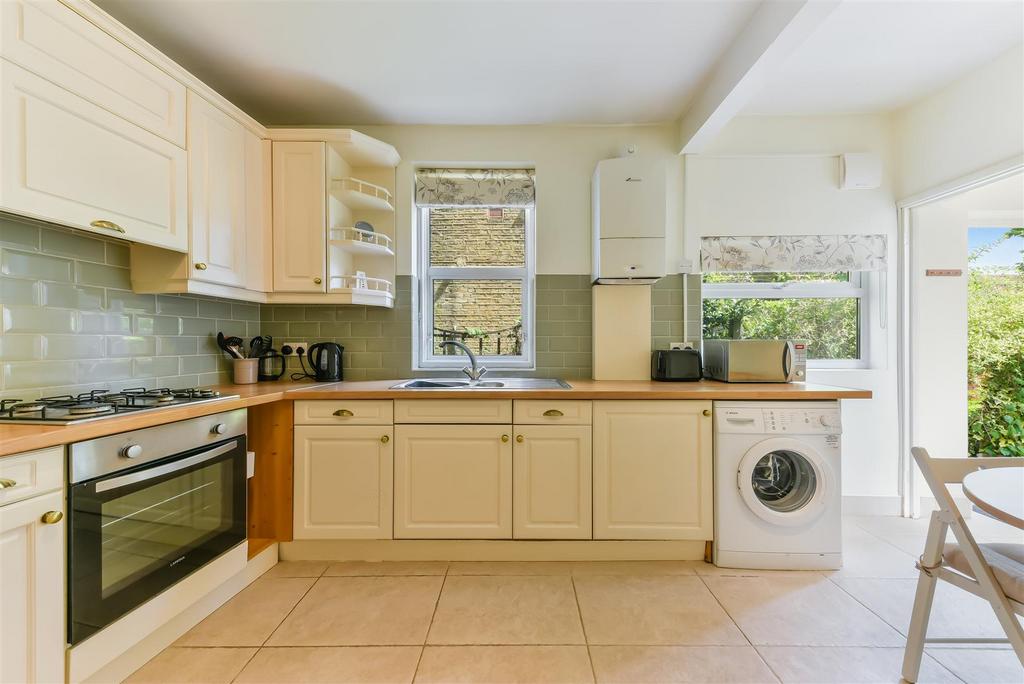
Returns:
(857,287)
(423,353)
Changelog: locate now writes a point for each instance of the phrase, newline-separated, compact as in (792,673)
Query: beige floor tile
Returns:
(510,568)
(332,665)
(705,664)
(504,665)
(385,568)
(506,610)
(709,570)
(846,665)
(251,616)
(588,568)
(193,666)
(653,610)
(361,611)
(297,569)
(799,611)
(981,666)
(955,612)
(865,555)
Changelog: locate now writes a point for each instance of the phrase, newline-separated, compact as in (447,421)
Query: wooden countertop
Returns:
(16,438)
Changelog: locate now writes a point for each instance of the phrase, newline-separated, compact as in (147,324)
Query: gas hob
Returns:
(100,404)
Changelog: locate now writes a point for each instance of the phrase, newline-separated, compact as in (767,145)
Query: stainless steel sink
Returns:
(488,384)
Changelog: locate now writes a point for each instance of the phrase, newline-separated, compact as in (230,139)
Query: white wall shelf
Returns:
(359,195)
(359,241)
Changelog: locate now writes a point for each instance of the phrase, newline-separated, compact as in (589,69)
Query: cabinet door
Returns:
(551,483)
(217,192)
(652,470)
(66,160)
(453,482)
(32,573)
(300,217)
(343,482)
(259,237)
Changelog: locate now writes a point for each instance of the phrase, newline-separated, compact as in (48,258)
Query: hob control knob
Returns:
(132,451)
(219,429)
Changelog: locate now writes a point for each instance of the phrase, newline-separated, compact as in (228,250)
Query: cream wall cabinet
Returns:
(453,482)
(300,217)
(66,160)
(32,638)
(259,236)
(552,482)
(343,482)
(652,470)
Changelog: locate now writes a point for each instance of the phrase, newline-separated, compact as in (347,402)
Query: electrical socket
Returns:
(680,345)
(294,348)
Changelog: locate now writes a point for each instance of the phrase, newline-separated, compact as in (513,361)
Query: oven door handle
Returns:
(159,471)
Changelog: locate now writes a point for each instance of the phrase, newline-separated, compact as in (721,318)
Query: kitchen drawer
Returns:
(559,411)
(330,412)
(56,43)
(453,411)
(32,473)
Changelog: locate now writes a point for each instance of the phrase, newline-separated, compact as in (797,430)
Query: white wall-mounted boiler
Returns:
(628,196)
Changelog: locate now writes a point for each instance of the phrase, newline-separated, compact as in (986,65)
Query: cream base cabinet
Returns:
(453,482)
(66,160)
(343,481)
(551,482)
(652,470)
(32,610)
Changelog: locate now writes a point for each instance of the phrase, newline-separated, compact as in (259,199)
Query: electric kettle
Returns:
(271,366)
(325,361)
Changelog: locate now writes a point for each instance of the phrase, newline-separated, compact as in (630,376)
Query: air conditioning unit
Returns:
(628,199)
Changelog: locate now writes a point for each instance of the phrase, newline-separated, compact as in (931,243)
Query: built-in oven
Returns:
(147,508)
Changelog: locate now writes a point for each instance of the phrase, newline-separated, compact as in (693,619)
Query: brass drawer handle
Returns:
(706,412)
(344,413)
(200,266)
(519,439)
(317,281)
(107,225)
(504,438)
(52,517)
(6,483)
(385,439)
(553,413)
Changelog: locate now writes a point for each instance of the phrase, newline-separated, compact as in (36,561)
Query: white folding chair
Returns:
(995,572)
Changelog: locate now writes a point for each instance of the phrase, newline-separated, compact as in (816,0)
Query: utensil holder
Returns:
(246,371)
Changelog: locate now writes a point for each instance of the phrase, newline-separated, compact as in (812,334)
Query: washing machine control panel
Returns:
(780,421)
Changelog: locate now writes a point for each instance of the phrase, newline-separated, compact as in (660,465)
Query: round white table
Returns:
(999,492)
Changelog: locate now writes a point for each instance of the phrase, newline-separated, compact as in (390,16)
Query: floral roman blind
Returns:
(477,187)
(799,253)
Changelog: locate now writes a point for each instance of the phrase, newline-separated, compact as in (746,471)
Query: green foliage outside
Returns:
(828,325)
(995,358)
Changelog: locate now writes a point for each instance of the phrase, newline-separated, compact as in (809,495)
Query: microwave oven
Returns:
(755,360)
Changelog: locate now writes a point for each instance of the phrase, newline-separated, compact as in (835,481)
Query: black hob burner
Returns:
(101,403)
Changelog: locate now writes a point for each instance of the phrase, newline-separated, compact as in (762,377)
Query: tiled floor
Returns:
(586,622)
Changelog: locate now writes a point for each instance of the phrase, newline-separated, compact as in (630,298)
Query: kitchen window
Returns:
(476,266)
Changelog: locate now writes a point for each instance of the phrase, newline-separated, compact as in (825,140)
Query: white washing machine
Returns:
(778,502)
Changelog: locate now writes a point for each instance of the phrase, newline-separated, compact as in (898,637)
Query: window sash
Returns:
(424,356)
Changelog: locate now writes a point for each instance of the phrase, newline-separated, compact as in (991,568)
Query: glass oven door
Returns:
(136,532)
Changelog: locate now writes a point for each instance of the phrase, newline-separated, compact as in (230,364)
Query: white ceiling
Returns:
(342,62)
(872,55)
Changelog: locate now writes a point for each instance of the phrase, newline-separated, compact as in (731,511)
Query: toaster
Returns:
(676,365)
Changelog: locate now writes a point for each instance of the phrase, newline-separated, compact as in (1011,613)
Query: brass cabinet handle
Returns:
(706,412)
(344,413)
(200,266)
(107,225)
(504,438)
(519,439)
(6,483)
(553,413)
(52,517)
(385,439)
(317,280)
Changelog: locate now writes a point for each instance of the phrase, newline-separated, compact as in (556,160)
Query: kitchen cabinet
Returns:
(453,481)
(551,482)
(67,160)
(300,217)
(652,470)
(216,168)
(343,481)
(32,573)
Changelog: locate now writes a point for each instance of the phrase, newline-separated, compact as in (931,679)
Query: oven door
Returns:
(136,532)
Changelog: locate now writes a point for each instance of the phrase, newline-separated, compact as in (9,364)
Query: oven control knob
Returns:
(219,429)
(132,451)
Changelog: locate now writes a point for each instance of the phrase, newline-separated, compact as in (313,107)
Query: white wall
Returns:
(564,158)
(779,176)
(969,125)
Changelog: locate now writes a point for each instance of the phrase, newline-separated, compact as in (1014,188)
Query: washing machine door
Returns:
(785,481)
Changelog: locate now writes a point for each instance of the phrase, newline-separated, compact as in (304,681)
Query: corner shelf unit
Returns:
(361,195)
(359,241)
